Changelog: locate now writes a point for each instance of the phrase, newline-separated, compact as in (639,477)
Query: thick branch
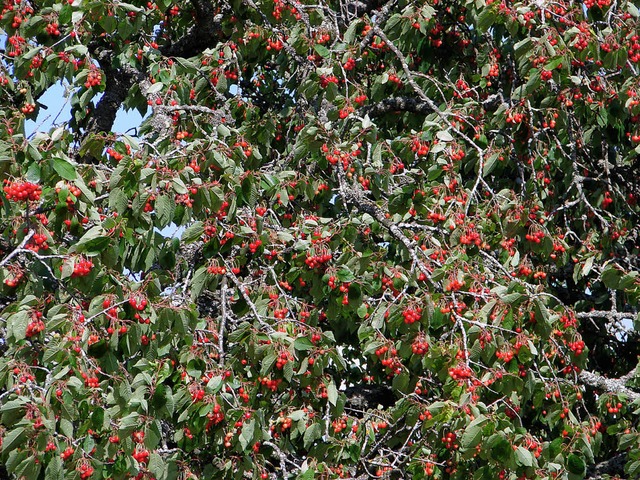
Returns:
(606,314)
(119,82)
(398,104)
(205,32)
(360,8)
(614,386)
(611,466)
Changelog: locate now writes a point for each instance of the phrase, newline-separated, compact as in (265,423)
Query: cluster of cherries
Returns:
(254,246)
(449,441)
(276,45)
(461,372)
(216,270)
(17,276)
(36,325)
(284,358)
(82,268)
(535,237)
(269,383)
(246,148)
(216,416)
(90,382)
(138,302)
(614,407)
(420,346)
(22,191)
(325,80)
(53,29)
(412,314)
(67,453)
(576,347)
(318,260)
(454,285)
(471,237)
(339,424)
(286,423)
(94,78)
(38,241)
(436,217)
(419,148)
(141,455)
(506,356)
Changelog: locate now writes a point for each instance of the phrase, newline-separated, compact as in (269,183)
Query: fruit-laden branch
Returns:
(355,196)
(243,292)
(443,116)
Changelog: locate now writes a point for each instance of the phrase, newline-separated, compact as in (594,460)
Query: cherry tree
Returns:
(349,239)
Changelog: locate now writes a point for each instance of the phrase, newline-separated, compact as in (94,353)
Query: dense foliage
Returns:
(349,239)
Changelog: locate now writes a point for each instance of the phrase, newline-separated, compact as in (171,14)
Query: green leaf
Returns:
(501,450)
(155,88)
(55,469)
(63,168)
(95,240)
(193,232)
(223,131)
(524,457)
(156,465)
(576,464)
(611,277)
(33,173)
(200,279)
(118,200)
(472,435)
(267,363)
(14,438)
(485,19)
(444,136)
(303,344)
(246,437)
(165,207)
(287,371)
(523,47)
(490,165)
(350,33)
(332,393)
(66,427)
(632,469)
(18,323)
(322,50)
(311,434)
(400,382)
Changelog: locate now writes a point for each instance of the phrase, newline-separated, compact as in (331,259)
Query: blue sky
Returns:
(58,112)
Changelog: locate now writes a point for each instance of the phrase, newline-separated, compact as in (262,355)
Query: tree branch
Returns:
(395,104)
(614,386)
(18,249)
(611,466)
(119,82)
(205,32)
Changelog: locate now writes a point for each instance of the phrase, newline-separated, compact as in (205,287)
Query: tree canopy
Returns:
(349,239)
